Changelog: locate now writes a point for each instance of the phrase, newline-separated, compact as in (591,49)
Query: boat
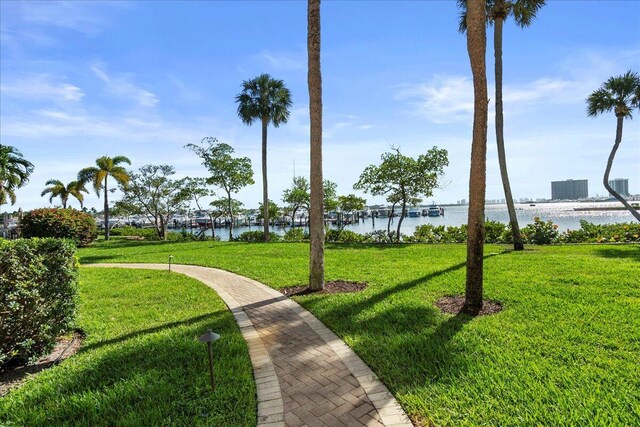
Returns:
(414,213)
(434,210)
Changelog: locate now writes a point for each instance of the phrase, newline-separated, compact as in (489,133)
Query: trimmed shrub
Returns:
(38,292)
(606,233)
(344,236)
(61,223)
(295,235)
(256,237)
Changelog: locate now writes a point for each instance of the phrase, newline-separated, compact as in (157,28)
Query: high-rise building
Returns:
(571,189)
(620,186)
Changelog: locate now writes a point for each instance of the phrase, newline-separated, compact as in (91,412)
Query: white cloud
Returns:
(445,99)
(283,61)
(42,86)
(121,85)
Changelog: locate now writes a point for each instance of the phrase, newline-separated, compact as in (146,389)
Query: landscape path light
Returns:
(210,337)
(170,258)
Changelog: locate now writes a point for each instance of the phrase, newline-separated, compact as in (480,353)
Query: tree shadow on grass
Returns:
(146,378)
(409,343)
(627,252)
(151,330)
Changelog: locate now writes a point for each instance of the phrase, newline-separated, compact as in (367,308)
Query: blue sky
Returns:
(84,79)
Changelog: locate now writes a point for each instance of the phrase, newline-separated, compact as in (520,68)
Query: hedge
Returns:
(38,296)
(61,223)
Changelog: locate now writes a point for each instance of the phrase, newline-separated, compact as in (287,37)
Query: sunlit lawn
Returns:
(141,363)
(565,350)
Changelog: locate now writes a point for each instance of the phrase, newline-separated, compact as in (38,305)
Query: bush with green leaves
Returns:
(145,233)
(60,223)
(343,236)
(603,233)
(295,235)
(38,288)
(540,232)
(256,237)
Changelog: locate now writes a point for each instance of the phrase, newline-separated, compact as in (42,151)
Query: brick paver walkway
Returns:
(305,375)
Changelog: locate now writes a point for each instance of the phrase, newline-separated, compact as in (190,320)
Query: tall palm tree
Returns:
(268,100)
(523,12)
(316,212)
(98,176)
(14,173)
(620,94)
(477,46)
(58,189)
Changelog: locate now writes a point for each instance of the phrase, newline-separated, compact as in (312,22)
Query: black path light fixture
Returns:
(170,259)
(210,337)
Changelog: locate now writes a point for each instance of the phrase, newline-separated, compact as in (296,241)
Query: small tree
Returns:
(350,204)
(229,173)
(157,195)
(272,211)
(402,179)
(197,190)
(220,208)
(297,197)
(330,196)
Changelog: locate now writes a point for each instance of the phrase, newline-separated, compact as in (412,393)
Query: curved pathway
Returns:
(305,375)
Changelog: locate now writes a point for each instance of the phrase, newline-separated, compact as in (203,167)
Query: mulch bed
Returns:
(335,287)
(454,304)
(64,348)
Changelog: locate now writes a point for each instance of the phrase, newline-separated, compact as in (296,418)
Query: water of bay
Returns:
(562,214)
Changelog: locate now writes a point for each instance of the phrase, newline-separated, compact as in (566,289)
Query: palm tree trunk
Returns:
(316,211)
(106,209)
(605,179)
(265,191)
(476,46)
(513,219)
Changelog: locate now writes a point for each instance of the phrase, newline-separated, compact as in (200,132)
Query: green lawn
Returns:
(141,363)
(564,351)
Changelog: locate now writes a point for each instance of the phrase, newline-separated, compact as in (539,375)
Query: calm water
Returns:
(562,214)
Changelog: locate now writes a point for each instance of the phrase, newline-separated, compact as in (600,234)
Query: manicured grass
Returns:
(564,351)
(141,362)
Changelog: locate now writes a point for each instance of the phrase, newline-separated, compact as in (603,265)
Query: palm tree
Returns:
(620,94)
(98,175)
(477,46)
(523,11)
(268,100)
(316,213)
(58,189)
(14,173)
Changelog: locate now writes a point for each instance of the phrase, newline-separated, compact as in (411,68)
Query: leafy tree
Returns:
(620,94)
(476,47)
(329,196)
(157,195)
(197,189)
(268,100)
(58,189)
(220,208)
(350,204)
(273,210)
(14,173)
(98,176)
(314,82)
(402,179)
(523,12)
(229,173)
(297,197)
